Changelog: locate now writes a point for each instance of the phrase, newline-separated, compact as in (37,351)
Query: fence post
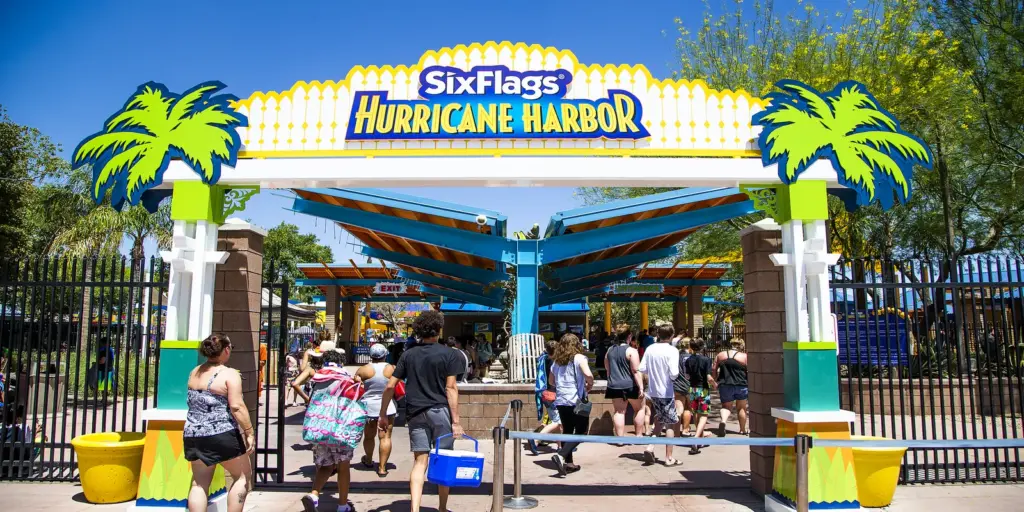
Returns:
(517,501)
(499,434)
(802,446)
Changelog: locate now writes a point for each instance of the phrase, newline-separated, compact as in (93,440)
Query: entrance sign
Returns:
(389,288)
(494,102)
(499,99)
(626,288)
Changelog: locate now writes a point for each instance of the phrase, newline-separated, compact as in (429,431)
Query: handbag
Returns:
(583,406)
(334,418)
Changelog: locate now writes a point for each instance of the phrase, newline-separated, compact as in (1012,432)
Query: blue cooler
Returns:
(455,468)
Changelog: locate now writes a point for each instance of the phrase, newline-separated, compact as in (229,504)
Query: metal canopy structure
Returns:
(356,283)
(458,252)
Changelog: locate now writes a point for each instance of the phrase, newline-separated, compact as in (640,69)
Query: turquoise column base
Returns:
(811,378)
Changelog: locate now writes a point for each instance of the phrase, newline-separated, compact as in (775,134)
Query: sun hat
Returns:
(378,351)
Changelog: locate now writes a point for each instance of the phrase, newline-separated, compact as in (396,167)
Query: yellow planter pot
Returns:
(878,472)
(109,464)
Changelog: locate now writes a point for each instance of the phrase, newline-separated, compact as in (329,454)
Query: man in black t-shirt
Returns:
(430,371)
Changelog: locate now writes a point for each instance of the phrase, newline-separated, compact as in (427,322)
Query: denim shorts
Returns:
(731,393)
(552,412)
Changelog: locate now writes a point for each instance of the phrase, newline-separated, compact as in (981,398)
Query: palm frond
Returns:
(794,145)
(115,165)
(147,109)
(203,147)
(858,174)
(815,102)
(907,146)
(183,107)
(884,164)
(92,147)
(146,169)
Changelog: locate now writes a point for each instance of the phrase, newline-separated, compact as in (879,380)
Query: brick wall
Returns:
(237,300)
(766,331)
(482,406)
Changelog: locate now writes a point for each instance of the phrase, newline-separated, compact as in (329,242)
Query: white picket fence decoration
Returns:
(524,349)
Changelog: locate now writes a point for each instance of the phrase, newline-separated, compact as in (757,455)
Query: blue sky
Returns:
(65,66)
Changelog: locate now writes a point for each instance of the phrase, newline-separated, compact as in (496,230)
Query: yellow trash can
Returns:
(877,471)
(109,464)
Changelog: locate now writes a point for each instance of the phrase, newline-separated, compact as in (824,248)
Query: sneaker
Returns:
(348,507)
(533,446)
(559,464)
(649,457)
(721,429)
(310,502)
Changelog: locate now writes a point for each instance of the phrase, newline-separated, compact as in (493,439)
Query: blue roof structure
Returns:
(467,308)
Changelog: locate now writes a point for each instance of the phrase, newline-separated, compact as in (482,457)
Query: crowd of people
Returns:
(666,381)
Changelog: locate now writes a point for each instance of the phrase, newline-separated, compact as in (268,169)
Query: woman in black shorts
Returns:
(217,427)
(625,385)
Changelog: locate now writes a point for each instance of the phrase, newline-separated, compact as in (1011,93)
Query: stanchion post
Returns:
(517,501)
(500,433)
(802,446)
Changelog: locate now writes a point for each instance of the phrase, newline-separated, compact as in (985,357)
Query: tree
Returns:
(26,157)
(393,313)
(284,248)
(132,152)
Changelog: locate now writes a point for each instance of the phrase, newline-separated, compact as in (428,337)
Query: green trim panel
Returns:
(809,345)
(810,379)
(194,201)
(801,200)
(192,345)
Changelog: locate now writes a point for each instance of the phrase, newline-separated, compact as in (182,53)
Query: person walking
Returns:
(431,399)
(730,367)
(217,426)
(303,384)
(702,381)
(331,458)
(484,355)
(374,377)
(291,362)
(661,366)
(545,394)
(625,385)
(573,382)
(681,386)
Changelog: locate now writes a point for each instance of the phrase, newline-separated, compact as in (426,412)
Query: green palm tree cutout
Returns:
(138,142)
(871,154)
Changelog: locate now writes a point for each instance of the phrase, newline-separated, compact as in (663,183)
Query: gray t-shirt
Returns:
(620,372)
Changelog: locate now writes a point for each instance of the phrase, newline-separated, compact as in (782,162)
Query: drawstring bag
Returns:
(335,415)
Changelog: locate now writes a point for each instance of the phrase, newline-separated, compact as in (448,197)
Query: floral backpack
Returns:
(335,415)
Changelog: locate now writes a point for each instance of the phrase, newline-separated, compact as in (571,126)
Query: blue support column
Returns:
(525,318)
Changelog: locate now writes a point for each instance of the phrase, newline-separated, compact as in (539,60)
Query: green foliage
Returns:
(284,248)
(26,157)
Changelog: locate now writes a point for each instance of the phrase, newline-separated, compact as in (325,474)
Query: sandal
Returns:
(366,461)
(694,450)
(649,457)
(382,474)
(673,462)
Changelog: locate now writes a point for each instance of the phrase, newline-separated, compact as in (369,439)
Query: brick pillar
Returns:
(766,332)
(332,315)
(679,317)
(237,301)
(695,305)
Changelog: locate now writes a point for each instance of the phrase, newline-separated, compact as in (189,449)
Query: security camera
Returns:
(481,220)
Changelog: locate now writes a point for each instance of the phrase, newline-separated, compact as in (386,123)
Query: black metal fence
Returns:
(932,350)
(271,413)
(79,339)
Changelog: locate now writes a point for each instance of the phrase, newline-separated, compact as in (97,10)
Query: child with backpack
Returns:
(334,423)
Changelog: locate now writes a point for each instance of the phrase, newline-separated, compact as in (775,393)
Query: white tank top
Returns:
(374,387)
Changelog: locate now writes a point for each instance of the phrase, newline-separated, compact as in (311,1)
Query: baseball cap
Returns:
(378,351)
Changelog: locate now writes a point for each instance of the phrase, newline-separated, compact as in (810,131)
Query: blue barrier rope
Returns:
(950,444)
(675,441)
